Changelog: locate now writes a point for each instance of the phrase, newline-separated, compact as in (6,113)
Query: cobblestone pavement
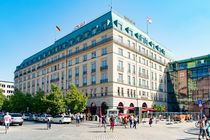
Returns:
(90,131)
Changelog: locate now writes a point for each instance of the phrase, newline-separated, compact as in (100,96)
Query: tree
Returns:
(159,108)
(54,101)
(76,100)
(2,98)
(39,102)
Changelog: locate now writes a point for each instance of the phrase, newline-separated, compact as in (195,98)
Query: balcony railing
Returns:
(93,70)
(120,69)
(93,82)
(104,67)
(76,74)
(84,72)
(104,80)
(54,80)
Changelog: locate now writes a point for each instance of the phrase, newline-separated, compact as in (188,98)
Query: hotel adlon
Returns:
(109,59)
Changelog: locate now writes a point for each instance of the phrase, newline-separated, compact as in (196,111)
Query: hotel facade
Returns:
(109,59)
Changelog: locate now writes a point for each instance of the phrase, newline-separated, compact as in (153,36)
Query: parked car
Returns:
(36,117)
(44,117)
(61,119)
(17,118)
(26,116)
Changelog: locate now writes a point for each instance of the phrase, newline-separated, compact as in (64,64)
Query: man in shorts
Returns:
(7,121)
(202,128)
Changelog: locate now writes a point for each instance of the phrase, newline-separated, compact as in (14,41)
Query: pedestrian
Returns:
(104,122)
(202,128)
(150,121)
(7,121)
(48,123)
(207,127)
(135,119)
(131,121)
(125,121)
(77,119)
(100,122)
(112,121)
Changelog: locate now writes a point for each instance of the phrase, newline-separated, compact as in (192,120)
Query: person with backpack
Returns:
(112,122)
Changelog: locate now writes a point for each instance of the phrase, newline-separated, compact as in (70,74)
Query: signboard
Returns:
(191,65)
(200,102)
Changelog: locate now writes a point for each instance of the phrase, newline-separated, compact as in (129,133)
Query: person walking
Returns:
(202,128)
(135,119)
(150,121)
(77,120)
(125,121)
(49,122)
(100,122)
(112,121)
(7,121)
(131,121)
(104,122)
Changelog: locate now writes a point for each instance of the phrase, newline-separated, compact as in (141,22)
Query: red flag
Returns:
(149,20)
(58,28)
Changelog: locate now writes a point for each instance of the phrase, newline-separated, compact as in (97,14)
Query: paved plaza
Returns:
(90,131)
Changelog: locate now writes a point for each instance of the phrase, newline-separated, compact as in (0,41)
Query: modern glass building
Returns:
(189,81)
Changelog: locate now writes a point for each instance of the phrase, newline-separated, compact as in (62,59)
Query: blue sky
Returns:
(28,26)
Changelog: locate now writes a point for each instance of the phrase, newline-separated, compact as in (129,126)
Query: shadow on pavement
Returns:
(96,131)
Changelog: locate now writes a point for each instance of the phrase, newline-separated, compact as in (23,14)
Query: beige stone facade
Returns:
(117,69)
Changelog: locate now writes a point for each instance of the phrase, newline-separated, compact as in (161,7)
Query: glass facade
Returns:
(189,81)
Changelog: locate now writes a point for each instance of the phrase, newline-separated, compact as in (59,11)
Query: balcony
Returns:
(29,71)
(120,81)
(120,68)
(33,70)
(93,82)
(104,80)
(84,84)
(104,67)
(93,70)
(143,75)
(54,80)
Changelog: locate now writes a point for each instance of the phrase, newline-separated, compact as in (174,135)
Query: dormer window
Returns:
(71,42)
(94,31)
(86,35)
(78,38)
(104,26)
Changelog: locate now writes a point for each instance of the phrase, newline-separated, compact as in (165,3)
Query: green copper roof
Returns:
(192,59)
(111,19)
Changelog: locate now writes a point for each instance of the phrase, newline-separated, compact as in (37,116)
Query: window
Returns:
(134,69)
(70,52)
(143,83)
(120,77)
(93,79)
(84,69)
(160,68)
(139,82)
(104,51)
(93,54)
(77,60)
(93,67)
(104,78)
(129,43)
(106,91)
(152,76)
(120,65)
(94,43)
(131,33)
(84,81)
(134,46)
(160,59)
(104,63)
(118,91)
(128,93)
(129,67)
(155,76)
(143,50)
(70,62)
(86,35)
(134,81)
(129,55)
(77,49)
(143,61)
(151,64)
(104,26)
(104,38)
(94,31)
(120,39)
(152,86)
(85,47)
(155,66)
(129,80)
(155,57)
(120,51)
(134,57)
(119,26)
(62,65)
(85,58)
(102,91)
(77,82)
(77,72)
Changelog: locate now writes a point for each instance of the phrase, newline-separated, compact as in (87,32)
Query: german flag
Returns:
(58,28)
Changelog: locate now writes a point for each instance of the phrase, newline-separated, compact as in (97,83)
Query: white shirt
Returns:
(7,118)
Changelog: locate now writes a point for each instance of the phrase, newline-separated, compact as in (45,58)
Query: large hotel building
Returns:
(109,59)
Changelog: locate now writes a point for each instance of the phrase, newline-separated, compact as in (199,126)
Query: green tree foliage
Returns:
(76,100)
(2,98)
(38,102)
(54,101)
(159,108)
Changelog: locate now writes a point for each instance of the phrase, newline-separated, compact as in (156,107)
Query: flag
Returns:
(58,28)
(149,20)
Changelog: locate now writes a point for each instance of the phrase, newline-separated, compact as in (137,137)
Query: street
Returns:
(90,131)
